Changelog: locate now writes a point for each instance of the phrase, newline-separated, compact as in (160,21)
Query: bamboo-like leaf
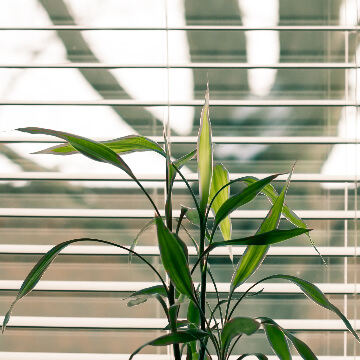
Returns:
(289,214)
(179,337)
(304,351)
(258,355)
(316,295)
(242,198)
(267,238)
(204,154)
(192,215)
(193,317)
(174,260)
(42,265)
(277,341)
(144,294)
(236,327)
(220,177)
(124,145)
(254,255)
(147,226)
(92,149)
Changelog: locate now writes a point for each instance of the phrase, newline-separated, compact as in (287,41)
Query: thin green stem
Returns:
(148,196)
(217,295)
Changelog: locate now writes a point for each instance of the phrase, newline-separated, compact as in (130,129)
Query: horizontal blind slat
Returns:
(291,140)
(149,214)
(155,323)
(131,286)
(333,251)
(188,103)
(160,178)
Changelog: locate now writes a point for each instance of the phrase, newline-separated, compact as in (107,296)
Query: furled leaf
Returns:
(123,145)
(147,226)
(219,179)
(315,294)
(236,327)
(277,341)
(174,260)
(258,355)
(92,149)
(303,350)
(242,198)
(204,154)
(179,337)
(254,255)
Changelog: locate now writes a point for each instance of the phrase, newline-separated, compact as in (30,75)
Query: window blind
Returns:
(283,88)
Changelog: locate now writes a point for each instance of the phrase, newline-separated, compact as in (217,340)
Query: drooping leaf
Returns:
(90,148)
(204,154)
(42,265)
(304,351)
(174,260)
(219,179)
(258,355)
(179,337)
(316,295)
(179,324)
(236,327)
(192,215)
(149,291)
(242,198)
(147,226)
(124,145)
(254,255)
(277,341)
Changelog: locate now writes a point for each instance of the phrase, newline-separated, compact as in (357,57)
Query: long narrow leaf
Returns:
(179,163)
(90,148)
(204,154)
(242,198)
(124,145)
(174,260)
(219,179)
(42,265)
(254,255)
(179,337)
(278,341)
(316,295)
(289,214)
(304,351)
(236,327)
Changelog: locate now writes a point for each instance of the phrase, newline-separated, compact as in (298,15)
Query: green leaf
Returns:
(303,350)
(147,226)
(204,154)
(149,291)
(268,238)
(258,355)
(92,149)
(123,145)
(242,198)
(236,327)
(174,260)
(277,341)
(289,214)
(42,265)
(254,255)
(178,337)
(219,179)
(193,317)
(192,215)
(316,295)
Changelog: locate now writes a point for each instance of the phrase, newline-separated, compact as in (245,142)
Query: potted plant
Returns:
(204,328)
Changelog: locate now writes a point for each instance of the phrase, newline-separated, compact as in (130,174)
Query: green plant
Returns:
(194,334)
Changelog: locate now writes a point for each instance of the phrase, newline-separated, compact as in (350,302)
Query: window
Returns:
(283,86)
